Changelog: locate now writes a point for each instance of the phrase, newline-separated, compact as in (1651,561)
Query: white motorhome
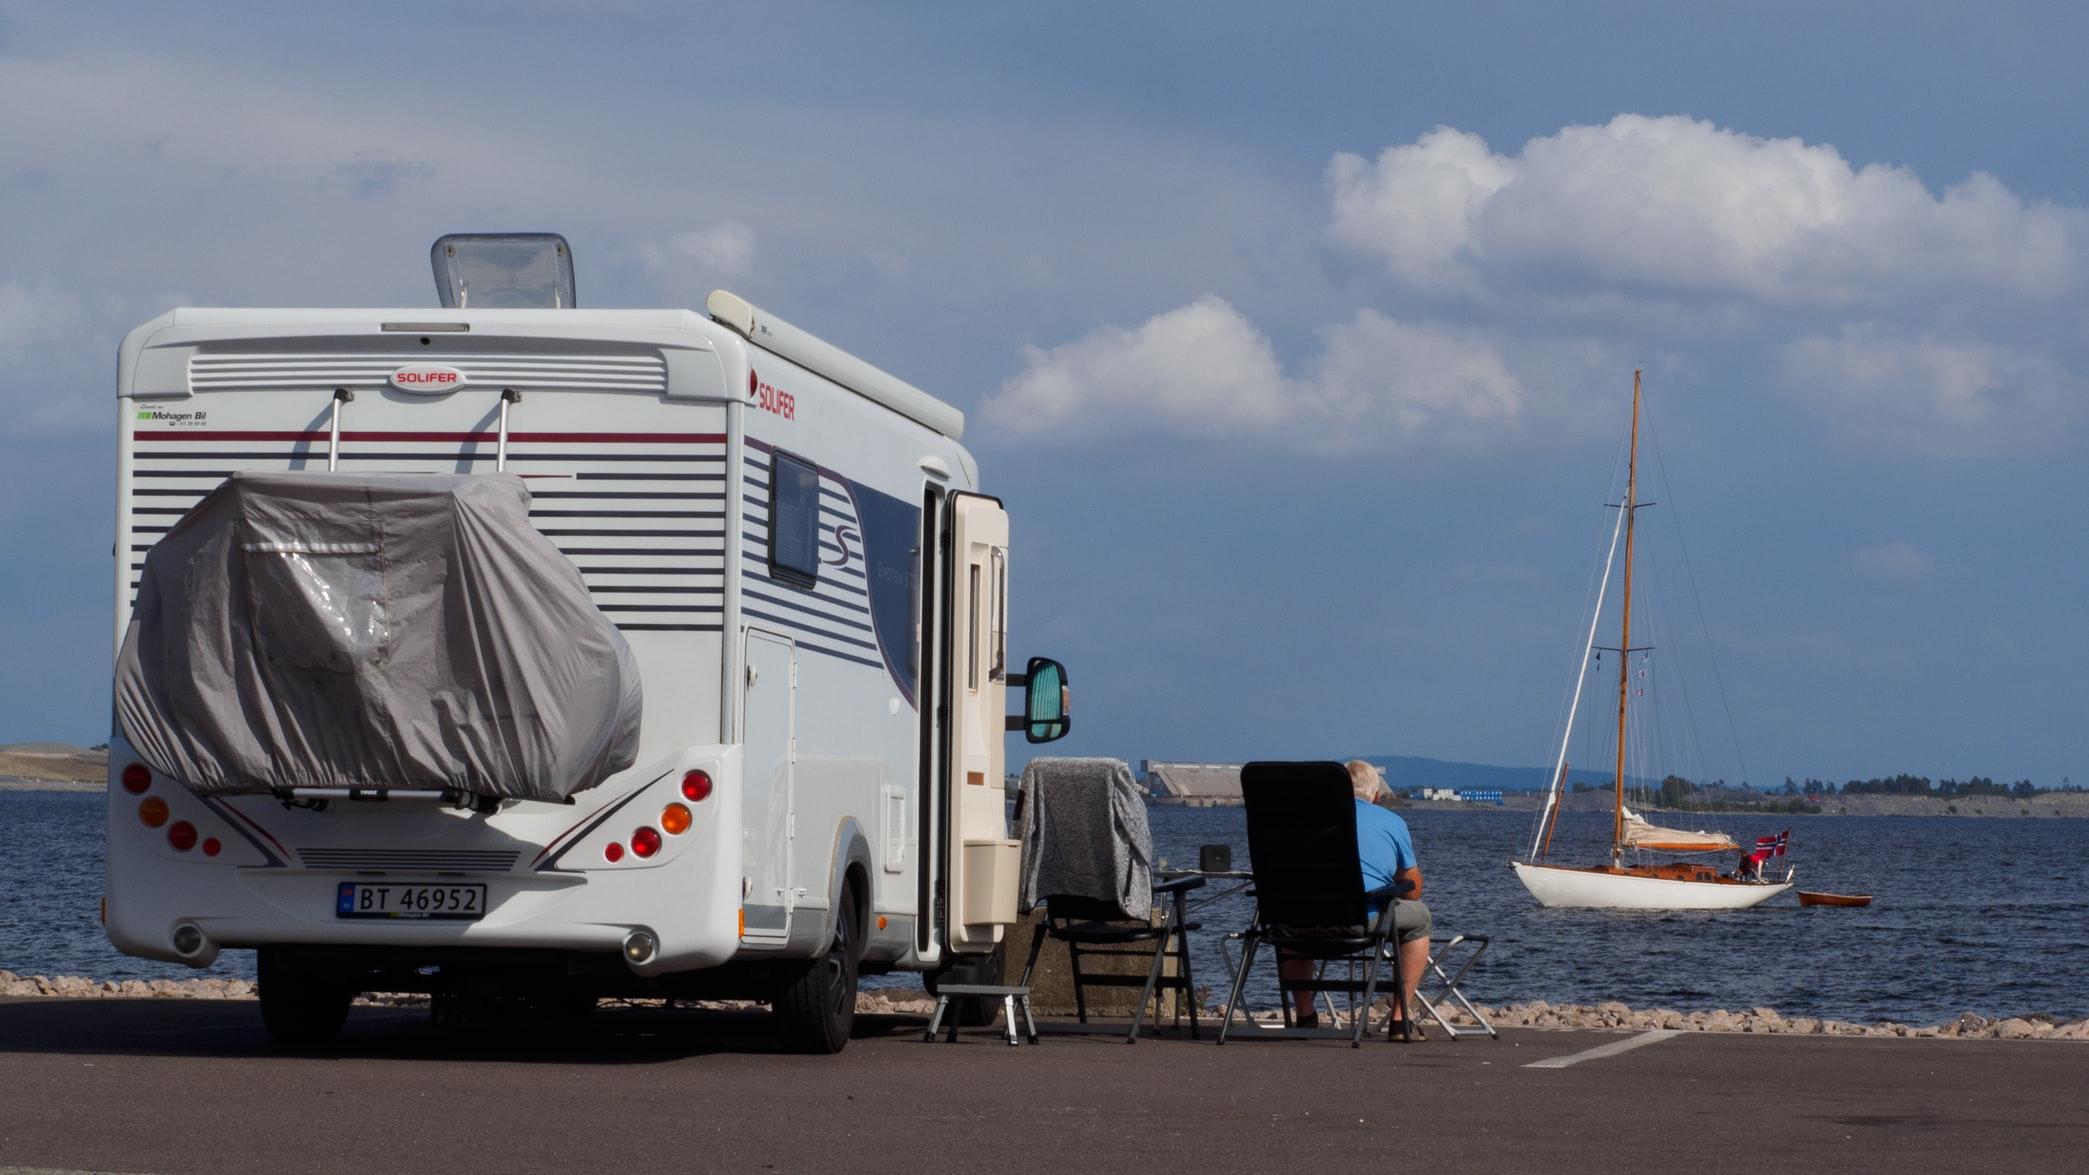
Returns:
(792,543)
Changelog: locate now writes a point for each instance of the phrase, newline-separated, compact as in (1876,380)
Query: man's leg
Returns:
(1295,969)
(1414,956)
(1411,925)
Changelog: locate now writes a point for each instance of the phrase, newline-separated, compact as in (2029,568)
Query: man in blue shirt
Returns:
(1385,849)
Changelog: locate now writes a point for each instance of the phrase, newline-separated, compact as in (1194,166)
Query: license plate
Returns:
(457,903)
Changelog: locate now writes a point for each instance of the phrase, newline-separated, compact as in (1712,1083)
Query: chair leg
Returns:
(1391,951)
(1363,1014)
(935,1021)
(1153,979)
(1008,1010)
(1036,945)
(1448,984)
(1073,968)
(1249,942)
(1182,968)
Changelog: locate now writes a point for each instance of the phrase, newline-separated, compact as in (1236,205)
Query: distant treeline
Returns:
(1918,785)
(1805,795)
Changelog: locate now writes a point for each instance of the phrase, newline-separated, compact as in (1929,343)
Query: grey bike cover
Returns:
(379,630)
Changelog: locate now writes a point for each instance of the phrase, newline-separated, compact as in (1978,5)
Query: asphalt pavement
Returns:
(179,1086)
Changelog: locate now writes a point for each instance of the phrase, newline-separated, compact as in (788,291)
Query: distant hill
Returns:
(53,762)
(1405,771)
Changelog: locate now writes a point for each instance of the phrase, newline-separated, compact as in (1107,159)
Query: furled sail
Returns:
(1641,835)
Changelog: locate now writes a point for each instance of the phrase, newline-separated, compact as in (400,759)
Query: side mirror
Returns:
(1046,702)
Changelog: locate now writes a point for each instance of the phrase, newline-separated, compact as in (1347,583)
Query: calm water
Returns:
(1980,915)
(1983,915)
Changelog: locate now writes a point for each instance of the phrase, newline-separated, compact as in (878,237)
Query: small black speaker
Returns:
(1215,858)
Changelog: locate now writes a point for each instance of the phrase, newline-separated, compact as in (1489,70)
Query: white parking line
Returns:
(48,1171)
(1656,1036)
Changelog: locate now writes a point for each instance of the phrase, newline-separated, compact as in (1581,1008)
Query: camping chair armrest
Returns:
(1390,895)
(1179,885)
(1398,889)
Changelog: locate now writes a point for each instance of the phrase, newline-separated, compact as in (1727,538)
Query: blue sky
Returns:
(1298,337)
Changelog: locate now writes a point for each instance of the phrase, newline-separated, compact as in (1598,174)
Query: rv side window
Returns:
(794,520)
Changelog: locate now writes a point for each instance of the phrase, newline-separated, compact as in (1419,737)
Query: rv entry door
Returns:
(769,741)
(982,859)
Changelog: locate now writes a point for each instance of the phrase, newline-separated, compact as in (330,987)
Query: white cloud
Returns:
(1204,371)
(1201,369)
(379,173)
(1680,204)
(1416,208)
(1386,375)
(1896,560)
(725,248)
(1880,391)
(57,346)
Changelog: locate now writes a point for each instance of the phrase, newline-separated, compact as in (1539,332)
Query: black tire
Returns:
(303,1009)
(971,1011)
(816,1010)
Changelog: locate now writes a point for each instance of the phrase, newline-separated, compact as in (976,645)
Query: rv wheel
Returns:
(815,1011)
(302,1009)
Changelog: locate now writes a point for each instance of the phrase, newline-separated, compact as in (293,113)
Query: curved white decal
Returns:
(427,379)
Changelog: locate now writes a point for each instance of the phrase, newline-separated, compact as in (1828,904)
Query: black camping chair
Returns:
(1093,927)
(1309,896)
(1095,924)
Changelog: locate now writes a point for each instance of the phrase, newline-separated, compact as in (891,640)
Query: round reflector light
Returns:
(675,819)
(153,811)
(211,847)
(754,382)
(613,851)
(136,778)
(182,835)
(645,842)
(696,785)
(188,940)
(640,946)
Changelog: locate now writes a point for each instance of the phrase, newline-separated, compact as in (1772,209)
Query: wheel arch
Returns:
(851,860)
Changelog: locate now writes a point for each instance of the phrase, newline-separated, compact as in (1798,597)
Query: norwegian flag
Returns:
(1772,846)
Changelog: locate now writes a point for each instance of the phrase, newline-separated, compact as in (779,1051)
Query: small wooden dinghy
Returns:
(1809,898)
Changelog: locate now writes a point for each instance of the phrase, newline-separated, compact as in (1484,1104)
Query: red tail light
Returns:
(696,785)
(182,835)
(136,778)
(613,852)
(645,842)
(211,848)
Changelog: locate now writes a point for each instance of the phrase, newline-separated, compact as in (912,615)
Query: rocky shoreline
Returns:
(909,1001)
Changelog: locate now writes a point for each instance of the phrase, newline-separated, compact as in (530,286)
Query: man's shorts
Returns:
(1411,921)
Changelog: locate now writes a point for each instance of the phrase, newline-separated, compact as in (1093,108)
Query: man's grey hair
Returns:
(1364,781)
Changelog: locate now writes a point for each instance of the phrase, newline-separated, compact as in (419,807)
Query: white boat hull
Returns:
(1558,885)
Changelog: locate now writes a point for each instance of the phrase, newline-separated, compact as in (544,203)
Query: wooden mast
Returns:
(1617,827)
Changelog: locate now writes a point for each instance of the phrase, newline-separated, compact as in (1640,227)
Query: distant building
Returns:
(1468,795)
(1195,785)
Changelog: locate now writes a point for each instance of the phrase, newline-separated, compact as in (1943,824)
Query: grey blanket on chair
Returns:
(1084,833)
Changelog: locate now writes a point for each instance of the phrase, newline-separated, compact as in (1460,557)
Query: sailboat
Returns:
(1619,884)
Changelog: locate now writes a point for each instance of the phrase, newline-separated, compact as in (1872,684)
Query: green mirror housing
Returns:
(1046,701)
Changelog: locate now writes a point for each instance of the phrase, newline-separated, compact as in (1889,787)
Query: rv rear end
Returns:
(621,434)
(654,446)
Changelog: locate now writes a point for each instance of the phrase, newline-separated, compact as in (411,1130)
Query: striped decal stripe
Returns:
(274,372)
(640,514)
(832,617)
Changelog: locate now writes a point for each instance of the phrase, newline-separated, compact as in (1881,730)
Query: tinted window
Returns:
(794,520)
